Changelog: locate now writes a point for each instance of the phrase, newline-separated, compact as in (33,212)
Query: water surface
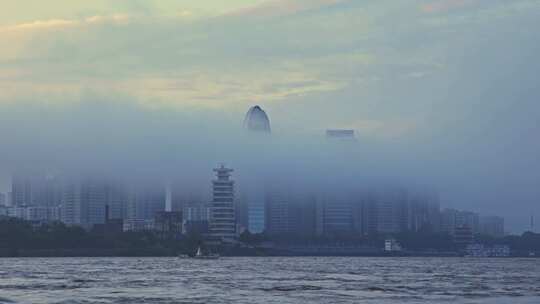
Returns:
(269,280)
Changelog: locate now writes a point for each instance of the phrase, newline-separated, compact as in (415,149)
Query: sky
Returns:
(442,91)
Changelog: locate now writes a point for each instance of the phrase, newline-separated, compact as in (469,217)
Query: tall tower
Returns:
(256,120)
(222,208)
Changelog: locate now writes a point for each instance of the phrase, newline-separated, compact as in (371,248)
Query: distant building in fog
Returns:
(3,199)
(35,190)
(340,134)
(334,215)
(492,226)
(84,203)
(256,120)
(252,205)
(223,223)
(145,201)
(452,219)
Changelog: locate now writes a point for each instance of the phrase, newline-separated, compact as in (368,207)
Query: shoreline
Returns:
(157,253)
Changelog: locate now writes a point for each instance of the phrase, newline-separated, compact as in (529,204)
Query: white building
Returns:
(138,225)
(34,213)
(222,223)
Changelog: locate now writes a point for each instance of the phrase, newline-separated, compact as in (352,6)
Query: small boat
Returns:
(205,256)
(183,256)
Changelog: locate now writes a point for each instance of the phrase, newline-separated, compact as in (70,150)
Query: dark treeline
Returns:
(21,238)
(415,241)
(18,237)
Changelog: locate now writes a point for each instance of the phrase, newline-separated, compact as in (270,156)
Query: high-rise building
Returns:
(492,226)
(424,212)
(84,203)
(335,215)
(384,210)
(390,210)
(38,190)
(144,202)
(21,189)
(3,199)
(222,224)
(116,200)
(9,199)
(256,120)
(279,213)
(256,215)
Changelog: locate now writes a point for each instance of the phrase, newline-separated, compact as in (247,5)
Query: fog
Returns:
(444,95)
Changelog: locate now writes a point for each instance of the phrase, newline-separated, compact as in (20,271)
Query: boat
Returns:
(205,256)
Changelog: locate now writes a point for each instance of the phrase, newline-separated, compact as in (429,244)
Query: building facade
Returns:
(223,225)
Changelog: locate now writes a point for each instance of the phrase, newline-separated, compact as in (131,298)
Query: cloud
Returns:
(56,24)
(443,6)
(273,8)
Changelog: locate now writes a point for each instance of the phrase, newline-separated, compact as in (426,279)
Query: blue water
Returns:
(269,280)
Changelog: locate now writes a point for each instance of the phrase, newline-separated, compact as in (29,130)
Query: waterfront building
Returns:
(463,235)
(33,213)
(168,223)
(138,225)
(222,225)
(481,251)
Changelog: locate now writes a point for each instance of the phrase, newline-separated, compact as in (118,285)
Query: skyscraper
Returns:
(83,203)
(254,201)
(256,120)
(222,224)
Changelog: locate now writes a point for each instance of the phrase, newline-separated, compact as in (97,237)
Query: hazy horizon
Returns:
(442,93)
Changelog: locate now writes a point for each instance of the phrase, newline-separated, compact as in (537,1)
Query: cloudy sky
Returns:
(447,87)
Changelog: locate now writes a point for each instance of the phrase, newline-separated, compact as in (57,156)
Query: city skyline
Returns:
(256,120)
(158,86)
